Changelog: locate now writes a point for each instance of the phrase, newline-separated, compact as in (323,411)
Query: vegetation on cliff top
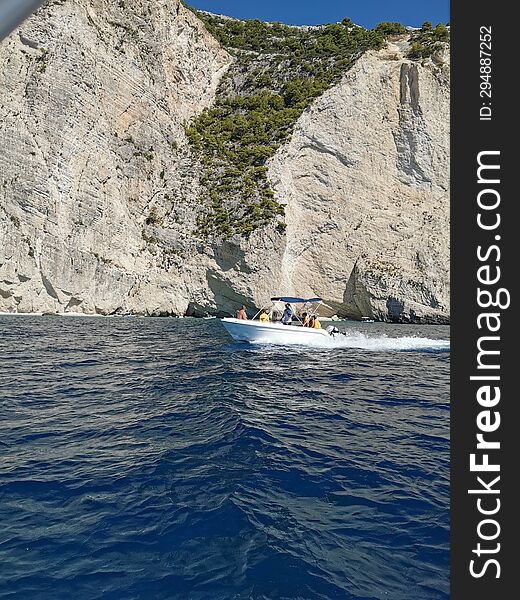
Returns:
(427,40)
(278,70)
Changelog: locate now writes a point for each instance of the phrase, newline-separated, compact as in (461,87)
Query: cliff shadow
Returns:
(356,299)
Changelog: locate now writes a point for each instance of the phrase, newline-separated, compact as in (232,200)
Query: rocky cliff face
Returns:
(94,94)
(98,187)
(366,178)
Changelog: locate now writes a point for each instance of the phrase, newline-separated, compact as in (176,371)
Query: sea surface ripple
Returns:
(156,458)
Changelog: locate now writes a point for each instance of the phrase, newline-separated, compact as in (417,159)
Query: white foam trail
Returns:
(380,343)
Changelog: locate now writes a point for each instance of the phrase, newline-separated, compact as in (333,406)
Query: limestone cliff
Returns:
(98,187)
(366,178)
(94,94)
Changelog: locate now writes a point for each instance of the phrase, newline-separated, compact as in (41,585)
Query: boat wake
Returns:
(381,343)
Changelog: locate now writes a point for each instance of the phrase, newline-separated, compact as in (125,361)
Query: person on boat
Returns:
(305,319)
(241,313)
(264,316)
(287,315)
(314,323)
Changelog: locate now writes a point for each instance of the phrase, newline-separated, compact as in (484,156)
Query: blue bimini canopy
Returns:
(295,300)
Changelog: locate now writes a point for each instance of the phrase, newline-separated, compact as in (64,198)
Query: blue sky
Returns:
(367,13)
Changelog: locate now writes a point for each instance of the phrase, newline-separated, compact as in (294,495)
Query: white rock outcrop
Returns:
(97,183)
(366,181)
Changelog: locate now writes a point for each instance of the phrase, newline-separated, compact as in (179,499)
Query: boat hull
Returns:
(272,333)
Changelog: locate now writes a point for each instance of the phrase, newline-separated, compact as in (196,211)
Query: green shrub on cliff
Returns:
(390,28)
(278,70)
(427,40)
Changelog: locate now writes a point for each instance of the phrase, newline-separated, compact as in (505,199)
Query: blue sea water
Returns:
(157,459)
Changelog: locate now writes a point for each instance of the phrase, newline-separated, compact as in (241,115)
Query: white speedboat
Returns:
(271,333)
(275,332)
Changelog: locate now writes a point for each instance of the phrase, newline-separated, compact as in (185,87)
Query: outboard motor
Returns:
(331,330)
